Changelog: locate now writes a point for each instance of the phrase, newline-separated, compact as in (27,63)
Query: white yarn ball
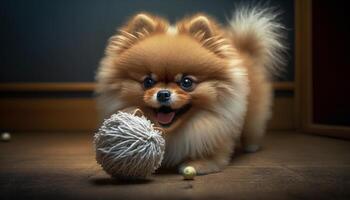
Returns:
(129,146)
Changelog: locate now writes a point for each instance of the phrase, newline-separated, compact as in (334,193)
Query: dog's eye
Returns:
(186,83)
(148,82)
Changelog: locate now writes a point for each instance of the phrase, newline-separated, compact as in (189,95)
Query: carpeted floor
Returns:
(62,166)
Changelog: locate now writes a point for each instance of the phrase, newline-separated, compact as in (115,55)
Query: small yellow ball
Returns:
(189,173)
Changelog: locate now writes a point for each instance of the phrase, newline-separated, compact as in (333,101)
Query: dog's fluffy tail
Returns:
(257,32)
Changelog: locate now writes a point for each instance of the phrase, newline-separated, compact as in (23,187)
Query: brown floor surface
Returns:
(290,166)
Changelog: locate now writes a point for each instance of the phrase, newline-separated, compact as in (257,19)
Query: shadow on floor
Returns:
(118,181)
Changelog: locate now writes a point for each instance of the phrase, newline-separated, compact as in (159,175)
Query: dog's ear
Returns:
(141,23)
(208,32)
(200,25)
(137,28)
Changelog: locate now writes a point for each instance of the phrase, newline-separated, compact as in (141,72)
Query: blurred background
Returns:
(50,51)
(49,54)
(63,41)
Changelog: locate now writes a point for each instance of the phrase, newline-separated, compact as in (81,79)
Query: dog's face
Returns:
(171,77)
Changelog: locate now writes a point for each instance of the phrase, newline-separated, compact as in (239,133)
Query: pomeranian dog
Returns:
(209,87)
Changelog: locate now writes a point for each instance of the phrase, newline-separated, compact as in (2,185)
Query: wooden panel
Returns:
(283,114)
(329,130)
(303,83)
(285,86)
(303,66)
(52,87)
(72,114)
(79,114)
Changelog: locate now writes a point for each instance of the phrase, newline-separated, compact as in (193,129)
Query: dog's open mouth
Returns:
(165,115)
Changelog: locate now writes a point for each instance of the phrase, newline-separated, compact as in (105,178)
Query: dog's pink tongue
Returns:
(165,118)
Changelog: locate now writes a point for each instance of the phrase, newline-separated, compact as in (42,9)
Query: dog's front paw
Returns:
(202,167)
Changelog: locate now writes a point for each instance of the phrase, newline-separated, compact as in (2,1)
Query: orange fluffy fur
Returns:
(231,97)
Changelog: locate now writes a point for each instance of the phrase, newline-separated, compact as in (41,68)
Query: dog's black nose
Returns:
(163,96)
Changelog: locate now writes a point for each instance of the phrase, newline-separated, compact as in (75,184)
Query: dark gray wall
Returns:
(60,41)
